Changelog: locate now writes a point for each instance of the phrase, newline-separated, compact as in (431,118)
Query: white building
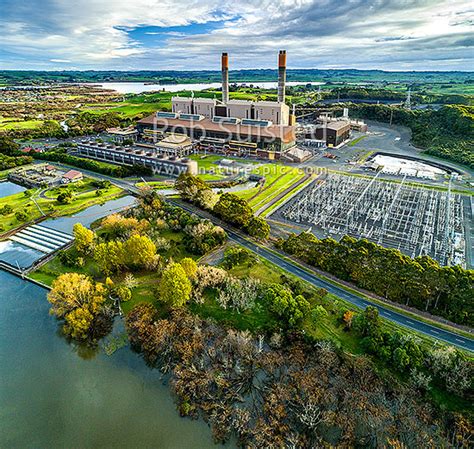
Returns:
(272,111)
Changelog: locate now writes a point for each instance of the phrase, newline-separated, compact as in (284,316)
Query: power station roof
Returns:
(283,132)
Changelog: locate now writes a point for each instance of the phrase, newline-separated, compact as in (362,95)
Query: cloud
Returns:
(105,34)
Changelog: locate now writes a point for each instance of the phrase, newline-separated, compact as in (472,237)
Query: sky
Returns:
(191,34)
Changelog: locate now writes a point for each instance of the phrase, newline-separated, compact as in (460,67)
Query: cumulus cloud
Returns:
(390,34)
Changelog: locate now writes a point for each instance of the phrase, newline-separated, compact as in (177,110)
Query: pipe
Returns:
(281,75)
(225,78)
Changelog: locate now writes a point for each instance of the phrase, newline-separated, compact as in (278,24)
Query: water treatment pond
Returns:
(8,188)
(52,397)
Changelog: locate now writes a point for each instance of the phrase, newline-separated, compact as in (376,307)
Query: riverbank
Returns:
(57,394)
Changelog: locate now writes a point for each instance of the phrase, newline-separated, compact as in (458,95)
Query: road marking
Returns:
(410,322)
(461,341)
(436,332)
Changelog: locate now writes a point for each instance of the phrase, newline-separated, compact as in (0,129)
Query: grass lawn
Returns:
(20,202)
(16,124)
(277,179)
(156,185)
(356,141)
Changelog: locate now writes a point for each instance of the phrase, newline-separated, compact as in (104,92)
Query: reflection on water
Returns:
(18,255)
(52,398)
(89,215)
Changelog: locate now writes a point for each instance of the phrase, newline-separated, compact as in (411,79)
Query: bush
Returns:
(21,215)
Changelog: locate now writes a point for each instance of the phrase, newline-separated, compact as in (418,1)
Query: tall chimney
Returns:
(225,78)
(281,75)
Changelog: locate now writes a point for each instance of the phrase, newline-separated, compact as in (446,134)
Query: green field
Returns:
(85,196)
(6,124)
(277,179)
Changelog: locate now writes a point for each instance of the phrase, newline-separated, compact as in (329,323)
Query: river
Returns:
(137,88)
(54,395)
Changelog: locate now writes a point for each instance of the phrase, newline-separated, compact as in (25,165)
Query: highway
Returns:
(359,301)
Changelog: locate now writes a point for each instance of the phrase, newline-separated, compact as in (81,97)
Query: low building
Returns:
(38,175)
(172,144)
(333,133)
(72,176)
(146,155)
(122,134)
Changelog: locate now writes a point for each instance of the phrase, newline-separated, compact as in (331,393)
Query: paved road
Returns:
(357,300)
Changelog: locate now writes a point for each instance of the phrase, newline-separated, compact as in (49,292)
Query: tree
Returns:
(78,323)
(368,323)
(65,197)
(175,287)
(78,300)
(190,188)
(284,305)
(8,146)
(123,293)
(233,209)
(258,228)
(21,215)
(190,267)
(84,239)
(140,251)
(110,256)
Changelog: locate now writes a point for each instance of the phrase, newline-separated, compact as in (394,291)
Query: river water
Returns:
(137,88)
(54,395)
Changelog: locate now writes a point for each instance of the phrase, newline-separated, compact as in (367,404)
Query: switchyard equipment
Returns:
(415,220)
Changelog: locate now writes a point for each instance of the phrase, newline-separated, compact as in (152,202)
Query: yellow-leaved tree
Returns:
(77,300)
(84,239)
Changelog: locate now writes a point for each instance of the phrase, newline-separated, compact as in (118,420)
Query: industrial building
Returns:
(264,129)
(332,134)
(147,155)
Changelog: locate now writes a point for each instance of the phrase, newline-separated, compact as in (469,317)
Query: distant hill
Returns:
(17,77)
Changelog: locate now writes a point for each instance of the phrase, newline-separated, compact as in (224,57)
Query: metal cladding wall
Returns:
(168,166)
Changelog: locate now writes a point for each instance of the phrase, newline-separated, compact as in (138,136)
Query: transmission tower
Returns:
(408,100)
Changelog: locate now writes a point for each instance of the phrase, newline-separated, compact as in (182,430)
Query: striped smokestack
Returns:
(281,75)
(225,78)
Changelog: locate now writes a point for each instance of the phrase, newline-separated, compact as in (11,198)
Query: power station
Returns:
(264,129)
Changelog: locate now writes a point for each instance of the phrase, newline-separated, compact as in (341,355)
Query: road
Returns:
(359,301)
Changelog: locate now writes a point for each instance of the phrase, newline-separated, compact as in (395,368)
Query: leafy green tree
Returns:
(368,322)
(175,287)
(258,228)
(401,359)
(84,239)
(233,209)
(21,215)
(76,299)
(65,197)
(281,302)
(123,293)
(189,186)
(8,145)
